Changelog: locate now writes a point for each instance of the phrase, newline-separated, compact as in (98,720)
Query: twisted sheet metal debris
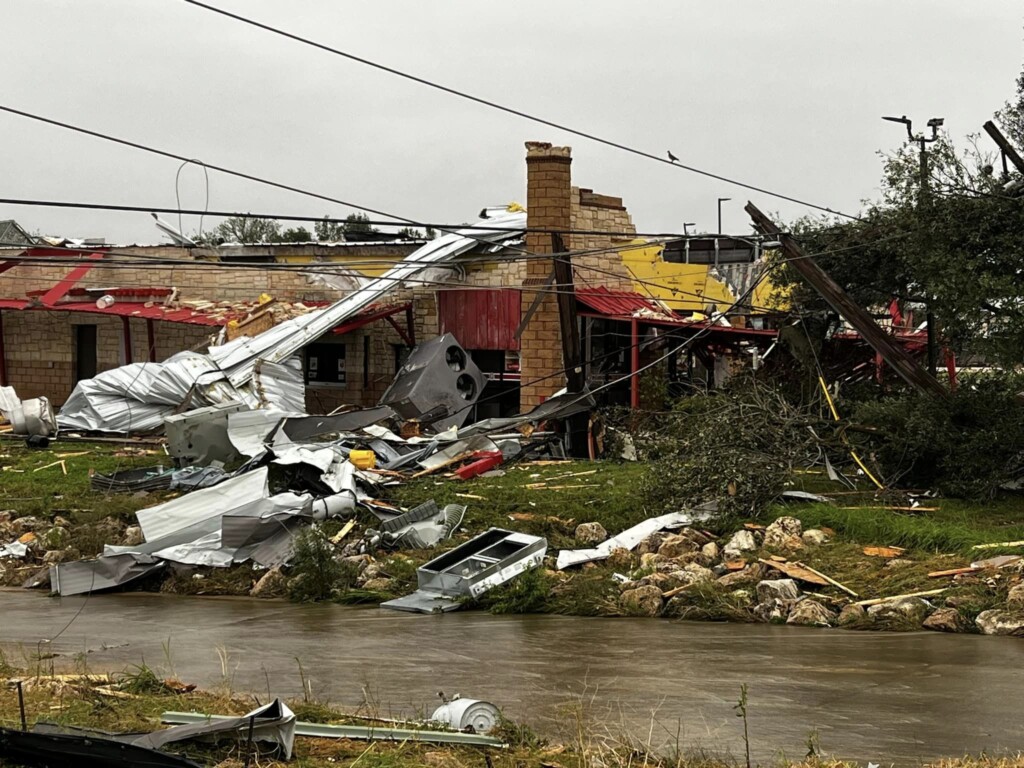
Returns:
(135,398)
(631,537)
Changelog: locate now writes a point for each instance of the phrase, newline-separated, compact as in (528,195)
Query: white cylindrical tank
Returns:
(467,714)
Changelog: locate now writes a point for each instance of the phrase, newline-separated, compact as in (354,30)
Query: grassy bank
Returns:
(550,500)
(133,700)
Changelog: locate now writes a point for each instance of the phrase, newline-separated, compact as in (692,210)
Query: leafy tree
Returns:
(242,229)
(358,222)
(295,235)
(410,233)
(953,246)
(329,231)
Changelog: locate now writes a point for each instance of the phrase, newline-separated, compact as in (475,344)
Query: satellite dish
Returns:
(171,232)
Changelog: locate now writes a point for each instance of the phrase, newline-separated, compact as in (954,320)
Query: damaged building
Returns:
(70,312)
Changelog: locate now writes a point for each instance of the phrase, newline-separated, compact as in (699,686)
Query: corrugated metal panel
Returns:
(481,319)
(617,303)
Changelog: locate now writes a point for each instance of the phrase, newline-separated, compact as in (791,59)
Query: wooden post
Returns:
(1005,146)
(3,354)
(893,354)
(151,340)
(634,363)
(567,316)
(127,338)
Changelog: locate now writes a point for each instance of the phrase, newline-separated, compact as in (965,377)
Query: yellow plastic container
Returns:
(363,459)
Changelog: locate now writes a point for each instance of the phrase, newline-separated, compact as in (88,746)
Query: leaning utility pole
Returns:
(887,347)
(923,207)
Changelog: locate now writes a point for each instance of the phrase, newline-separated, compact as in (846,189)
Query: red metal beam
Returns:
(61,289)
(360,320)
(9,264)
(400,331)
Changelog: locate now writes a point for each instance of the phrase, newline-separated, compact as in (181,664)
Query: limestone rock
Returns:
(620,558)
(999,622)
(26,524)
(652,543)
(590,533)
(811,613)
(781,589)
(698,574)
(1015,599)
(944,620)
(55,556)
(741,541)
(783,534)
(913,608)
(662,581)
(132,536)
(815,537)
(56,538)
(650,561)
(774,611)
(749,575)
(851,614)
(677,545)
(371,570)
(378,585)
(642,601)
(273,583)
(358,561)
(711,550)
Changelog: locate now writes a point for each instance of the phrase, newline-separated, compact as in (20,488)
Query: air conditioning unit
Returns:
(438,384)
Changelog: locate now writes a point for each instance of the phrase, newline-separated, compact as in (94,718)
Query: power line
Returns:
(511,110)
(316,219)
(221,169)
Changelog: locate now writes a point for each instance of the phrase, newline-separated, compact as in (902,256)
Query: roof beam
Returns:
(60,290)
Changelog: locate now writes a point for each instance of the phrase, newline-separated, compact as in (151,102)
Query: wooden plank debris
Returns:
(884,551)
(999,545)
(953,572)
(880,600)
(795,571)
(431,470)
(830,580)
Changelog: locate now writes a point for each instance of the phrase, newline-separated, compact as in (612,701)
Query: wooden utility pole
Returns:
(889,350)
(567,316)
(1008,150)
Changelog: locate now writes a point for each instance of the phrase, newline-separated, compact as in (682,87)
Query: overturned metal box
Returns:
(492,558)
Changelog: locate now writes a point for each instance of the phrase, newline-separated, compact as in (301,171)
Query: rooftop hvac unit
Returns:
(438,384)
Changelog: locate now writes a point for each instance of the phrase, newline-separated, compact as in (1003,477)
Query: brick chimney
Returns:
(549,206)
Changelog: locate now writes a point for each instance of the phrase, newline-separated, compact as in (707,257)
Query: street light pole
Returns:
(923,203)
(720,201)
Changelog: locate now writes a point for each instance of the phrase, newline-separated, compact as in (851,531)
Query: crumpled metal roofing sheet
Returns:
(238,357)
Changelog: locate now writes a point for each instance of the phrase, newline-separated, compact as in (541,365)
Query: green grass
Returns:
(49,493)
(954,529)
(608,496)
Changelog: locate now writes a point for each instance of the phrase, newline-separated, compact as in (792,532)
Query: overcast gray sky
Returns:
(786,95)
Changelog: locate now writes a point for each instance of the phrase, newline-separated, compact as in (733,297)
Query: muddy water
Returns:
(869,696)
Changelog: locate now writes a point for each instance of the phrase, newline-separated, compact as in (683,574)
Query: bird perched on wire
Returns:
(672,158)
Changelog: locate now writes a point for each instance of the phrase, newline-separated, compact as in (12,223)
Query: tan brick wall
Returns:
(548,205)
(600,213)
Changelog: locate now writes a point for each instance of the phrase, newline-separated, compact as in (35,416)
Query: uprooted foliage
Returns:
(737,446)
(316,572)
(967,446)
